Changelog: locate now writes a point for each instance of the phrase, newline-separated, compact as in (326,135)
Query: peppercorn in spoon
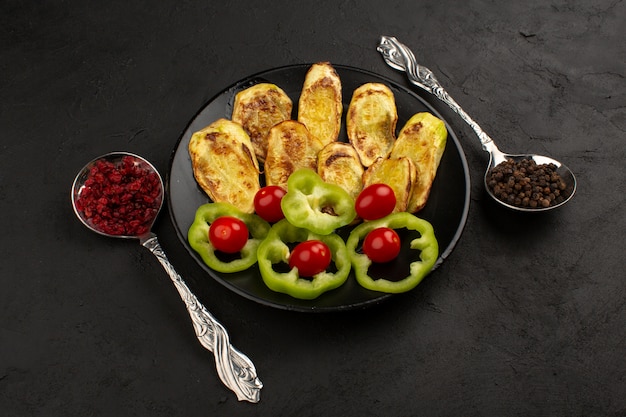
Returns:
(527,182)
(120,195)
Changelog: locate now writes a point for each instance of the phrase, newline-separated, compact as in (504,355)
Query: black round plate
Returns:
(446,209)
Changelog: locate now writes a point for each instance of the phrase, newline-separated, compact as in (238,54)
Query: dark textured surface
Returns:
(526,317)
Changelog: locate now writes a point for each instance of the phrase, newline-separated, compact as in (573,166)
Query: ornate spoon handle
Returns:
(235,369)
(400,57)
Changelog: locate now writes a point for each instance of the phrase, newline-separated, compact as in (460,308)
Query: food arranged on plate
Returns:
(399,174)
(201,237)
(302,278)
(225,165)
(307,207)
(379,239)
(371,122)
(257,109)
(290,146)
(422,140)
(338,163)
(320,106)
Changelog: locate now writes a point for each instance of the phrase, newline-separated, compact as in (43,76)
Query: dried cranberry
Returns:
(120,198)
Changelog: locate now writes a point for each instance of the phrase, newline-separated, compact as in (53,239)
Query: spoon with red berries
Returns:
(120,195)
(526,182)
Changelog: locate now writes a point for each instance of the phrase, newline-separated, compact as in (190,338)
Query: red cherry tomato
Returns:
(228,234)
(375,202)
(267,203)
(381,244)
(310,257)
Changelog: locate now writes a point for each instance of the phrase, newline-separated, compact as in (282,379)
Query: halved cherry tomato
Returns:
(381,244)
(267,203)
(310,257)
(375,202)
(228,234)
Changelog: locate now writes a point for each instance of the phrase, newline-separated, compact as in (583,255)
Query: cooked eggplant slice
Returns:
(257,109)
(290,146)
(423,140)
(371,122)
(398,173)
(320,106)
(224,164)
(338,163)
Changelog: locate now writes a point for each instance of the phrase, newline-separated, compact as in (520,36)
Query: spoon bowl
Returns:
(400,57)
(125,176)
(497,157)
(115,158)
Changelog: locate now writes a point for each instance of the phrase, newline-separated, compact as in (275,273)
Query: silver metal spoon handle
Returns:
(235,369)
(400,57)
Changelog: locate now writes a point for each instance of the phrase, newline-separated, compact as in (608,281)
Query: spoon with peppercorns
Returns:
(525,182)
(120,195)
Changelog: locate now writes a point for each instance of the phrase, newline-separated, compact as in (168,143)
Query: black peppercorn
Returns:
(526,184)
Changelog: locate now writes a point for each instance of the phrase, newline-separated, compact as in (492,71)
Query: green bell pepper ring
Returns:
(313,204)
(426,243)
(274,250)
(198,236)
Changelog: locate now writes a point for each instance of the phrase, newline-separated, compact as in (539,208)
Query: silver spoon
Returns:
(234,368)
(400,57)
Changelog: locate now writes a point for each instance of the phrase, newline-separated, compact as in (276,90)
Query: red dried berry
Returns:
(120,198)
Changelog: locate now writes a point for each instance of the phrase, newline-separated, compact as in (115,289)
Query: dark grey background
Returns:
(526,317)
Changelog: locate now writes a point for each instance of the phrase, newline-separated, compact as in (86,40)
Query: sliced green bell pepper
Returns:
(198,236)
(274,250)
(313,204)
(426,243)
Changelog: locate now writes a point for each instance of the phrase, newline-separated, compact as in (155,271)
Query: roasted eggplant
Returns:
(338,163)
(320,106)
(398,173)
(224,164)
(423,140)
(371,122)
(290,146)
(257,109)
